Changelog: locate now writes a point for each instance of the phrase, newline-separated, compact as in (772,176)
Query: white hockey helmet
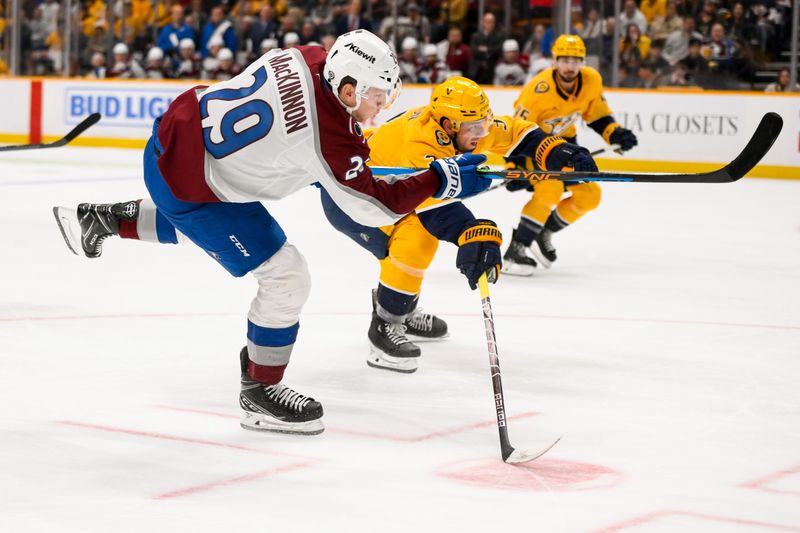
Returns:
(186,44)
(120,49)
(155,54)
(365,58)
(225,55)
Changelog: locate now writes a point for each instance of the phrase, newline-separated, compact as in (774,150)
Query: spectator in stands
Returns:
(694,64)
(652,9)
(133,25)
(321,14)
(290,23)
(351,20)
(211,61)
(533,46)
(677,45)
(154,64)
(408,62)
(662,27)
(631,15)
(656,59)
(433,70)
(648,76)
(268,44)
(98,66)
(511,69)
(458,56)
(738,27)
(226,67)
(218,26)
(98,42)
(327,41)
(308,33)
(634,47)
(124,66)
(781,83)
(265,27)
(188,66)
(486,46)
(50,15)
(721,49)
(592,32)
(291,40)
(170,36)
(411,24)
(706,18)
(764,31)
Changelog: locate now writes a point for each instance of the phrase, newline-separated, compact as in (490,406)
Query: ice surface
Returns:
(664,346)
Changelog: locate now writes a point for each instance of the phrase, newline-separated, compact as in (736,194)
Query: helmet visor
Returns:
(476,129)
(381,98)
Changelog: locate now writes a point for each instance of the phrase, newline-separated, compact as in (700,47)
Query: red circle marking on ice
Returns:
(540,475)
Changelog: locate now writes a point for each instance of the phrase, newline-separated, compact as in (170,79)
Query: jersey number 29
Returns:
(233,140)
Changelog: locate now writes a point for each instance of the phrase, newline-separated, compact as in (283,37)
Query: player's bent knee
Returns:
(586,196)
(284,285)
(548,192)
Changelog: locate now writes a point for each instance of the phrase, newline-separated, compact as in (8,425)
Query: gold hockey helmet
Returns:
(569,46)
(464,103)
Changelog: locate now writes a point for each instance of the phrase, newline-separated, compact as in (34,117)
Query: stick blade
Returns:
(762,140)
(525,456)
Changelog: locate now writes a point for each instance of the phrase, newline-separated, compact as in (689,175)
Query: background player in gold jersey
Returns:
(555,100)
(457,120)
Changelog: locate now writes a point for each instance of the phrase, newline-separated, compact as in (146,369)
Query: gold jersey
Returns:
(414,139)
(544,102)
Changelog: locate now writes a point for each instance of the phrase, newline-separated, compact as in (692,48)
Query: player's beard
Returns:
(565,80)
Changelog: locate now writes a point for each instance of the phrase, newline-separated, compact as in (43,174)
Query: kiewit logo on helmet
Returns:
(358,51)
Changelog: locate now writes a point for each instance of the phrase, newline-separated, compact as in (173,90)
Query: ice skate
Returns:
(516,261)
(543,248)
(85,229)
(277,408)
(390,349)
(422,326)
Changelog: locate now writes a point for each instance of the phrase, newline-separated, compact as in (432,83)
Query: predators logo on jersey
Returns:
(544,102)
(442,138)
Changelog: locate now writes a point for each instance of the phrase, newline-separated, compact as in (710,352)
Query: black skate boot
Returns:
(425,326)
(390,349)
(277,408)
(544,250)
(85,229)
(516,261)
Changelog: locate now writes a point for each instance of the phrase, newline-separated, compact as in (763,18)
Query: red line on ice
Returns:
(186,491)
(760,484)
(176,438)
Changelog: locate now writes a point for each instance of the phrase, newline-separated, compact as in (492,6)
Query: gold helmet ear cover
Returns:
(460,100)
(569,46)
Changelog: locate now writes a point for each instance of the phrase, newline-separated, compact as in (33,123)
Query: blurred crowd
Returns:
(715,44)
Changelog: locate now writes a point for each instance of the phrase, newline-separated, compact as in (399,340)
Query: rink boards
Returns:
(678,131)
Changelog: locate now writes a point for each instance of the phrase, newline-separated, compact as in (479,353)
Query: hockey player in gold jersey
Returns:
(457,120)
(555,100)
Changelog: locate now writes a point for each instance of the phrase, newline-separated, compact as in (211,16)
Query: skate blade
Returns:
(259,422)
(67,220)
(515,269)
(378,359)
(541,259)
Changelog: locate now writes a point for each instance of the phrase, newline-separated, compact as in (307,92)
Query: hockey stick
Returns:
(509,454)
(613,147)
(88,122)
(765,135)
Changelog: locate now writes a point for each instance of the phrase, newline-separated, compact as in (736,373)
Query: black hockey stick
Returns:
(613,147)
(765,135)
(508,452)
(88,122)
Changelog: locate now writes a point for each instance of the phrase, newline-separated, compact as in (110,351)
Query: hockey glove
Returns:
(459,177)
(624,138)
(519,185)
(479,252)
(570,156)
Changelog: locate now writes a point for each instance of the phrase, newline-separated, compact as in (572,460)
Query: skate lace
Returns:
(396,334)
(420,320)
(285,396)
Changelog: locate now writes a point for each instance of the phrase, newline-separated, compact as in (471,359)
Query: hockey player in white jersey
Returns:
(289,120)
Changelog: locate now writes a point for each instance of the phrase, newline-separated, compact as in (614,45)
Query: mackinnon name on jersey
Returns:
(290,88)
